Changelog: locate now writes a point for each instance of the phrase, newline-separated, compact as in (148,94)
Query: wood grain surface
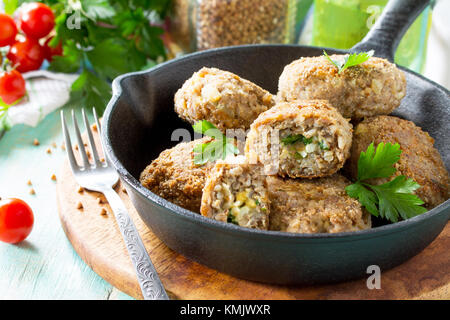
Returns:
(97,240)
(44,266)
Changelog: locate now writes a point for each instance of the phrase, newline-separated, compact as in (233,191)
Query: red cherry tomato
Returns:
(8,30)
(52,51)
(16,220)
(27,54)
(12,86)
(36,20)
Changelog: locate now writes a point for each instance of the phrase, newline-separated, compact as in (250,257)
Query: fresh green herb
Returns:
(4,120)
(207,128)
(219,148)
(10,6)
(306,140)
(293,138)
(298,155)
(257,202)
(379,163)
(392,199)
(4,115)
(231,218)
(323,145)
(102,39)
(350,60)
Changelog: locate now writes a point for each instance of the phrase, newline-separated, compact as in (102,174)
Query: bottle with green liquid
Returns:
(343,23)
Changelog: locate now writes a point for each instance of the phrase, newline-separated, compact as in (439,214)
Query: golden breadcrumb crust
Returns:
(314,206)
(174,176)
(372,88)
(419,160)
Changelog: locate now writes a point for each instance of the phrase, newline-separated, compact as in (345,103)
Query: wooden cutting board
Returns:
(96,238)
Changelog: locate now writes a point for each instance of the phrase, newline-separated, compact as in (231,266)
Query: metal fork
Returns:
(102,177)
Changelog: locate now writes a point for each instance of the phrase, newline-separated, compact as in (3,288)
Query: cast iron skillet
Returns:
(140,119)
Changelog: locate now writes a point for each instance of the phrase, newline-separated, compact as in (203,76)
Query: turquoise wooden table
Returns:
(44,266)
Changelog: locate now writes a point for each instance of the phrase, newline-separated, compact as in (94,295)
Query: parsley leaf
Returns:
(231,218)
(293,138)
(298,155)
(207,128)
(366,197)
(219,148)
(323,145)
(97,9)
(5,123)
(393,199)
(93,91)
(10,6)
(378,164)
(102,39)
(396,198)
(350,60)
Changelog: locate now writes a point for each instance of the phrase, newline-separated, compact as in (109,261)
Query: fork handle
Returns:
(151,286)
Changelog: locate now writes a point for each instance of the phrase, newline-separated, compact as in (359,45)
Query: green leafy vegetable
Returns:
(350,60)
(4,120)
(207,128)
(323,145)
(298,155)
(366,197)
(3,115)
(10,6)
(231,218)
(396,198)
(379,164)
(102,39)
(293,138)
(219,148)
(392,199)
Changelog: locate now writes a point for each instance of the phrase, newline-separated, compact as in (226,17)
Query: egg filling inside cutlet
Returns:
(241,207)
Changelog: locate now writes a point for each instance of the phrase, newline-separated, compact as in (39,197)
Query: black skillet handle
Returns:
(390,27)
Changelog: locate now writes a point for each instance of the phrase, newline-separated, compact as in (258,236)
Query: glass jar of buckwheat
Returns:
(219,23)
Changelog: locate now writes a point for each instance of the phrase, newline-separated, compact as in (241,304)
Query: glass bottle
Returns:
(343,23)
(219,23)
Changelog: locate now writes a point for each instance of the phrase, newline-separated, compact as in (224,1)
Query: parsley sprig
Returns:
(350,60)
(219,148)
(102,39)
(293,138)
(392,199)
(4,107)
(4,115)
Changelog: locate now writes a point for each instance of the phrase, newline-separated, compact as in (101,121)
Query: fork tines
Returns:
(81,147)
